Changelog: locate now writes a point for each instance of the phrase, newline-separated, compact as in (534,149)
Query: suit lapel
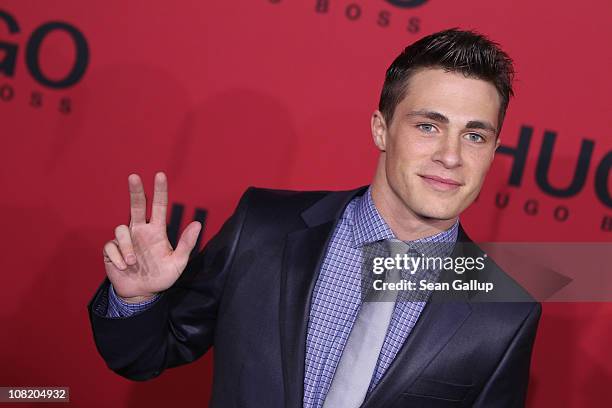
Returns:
(303,255)
(438,322)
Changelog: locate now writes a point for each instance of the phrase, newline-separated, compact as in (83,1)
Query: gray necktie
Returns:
(356,366)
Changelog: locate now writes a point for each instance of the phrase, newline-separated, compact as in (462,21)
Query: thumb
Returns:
(187,241)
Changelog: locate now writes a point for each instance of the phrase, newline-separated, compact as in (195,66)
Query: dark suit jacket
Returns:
(248,294)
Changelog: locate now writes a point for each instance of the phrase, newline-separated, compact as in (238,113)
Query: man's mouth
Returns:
(440,183)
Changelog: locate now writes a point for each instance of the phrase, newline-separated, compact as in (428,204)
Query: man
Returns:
(277,290)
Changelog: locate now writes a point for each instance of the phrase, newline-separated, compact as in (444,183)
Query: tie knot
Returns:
(398,247)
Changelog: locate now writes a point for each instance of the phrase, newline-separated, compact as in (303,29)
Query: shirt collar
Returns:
(369,226)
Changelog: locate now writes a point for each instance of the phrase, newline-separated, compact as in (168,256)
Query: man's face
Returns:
(440,143)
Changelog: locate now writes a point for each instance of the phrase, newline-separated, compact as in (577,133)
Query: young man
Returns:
(277,290)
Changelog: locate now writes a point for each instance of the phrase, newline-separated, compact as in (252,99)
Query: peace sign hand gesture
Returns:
(140,261)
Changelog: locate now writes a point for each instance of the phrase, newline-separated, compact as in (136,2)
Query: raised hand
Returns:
(140,261)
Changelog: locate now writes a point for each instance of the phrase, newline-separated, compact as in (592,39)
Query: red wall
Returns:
(226,94)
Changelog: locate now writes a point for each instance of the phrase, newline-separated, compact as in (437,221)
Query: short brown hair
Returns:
(454,50)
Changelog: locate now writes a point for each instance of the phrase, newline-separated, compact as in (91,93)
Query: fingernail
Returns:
(131,259)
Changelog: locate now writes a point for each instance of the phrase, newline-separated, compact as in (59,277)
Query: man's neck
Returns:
(405,224)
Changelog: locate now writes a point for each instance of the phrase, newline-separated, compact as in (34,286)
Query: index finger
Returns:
(138,201)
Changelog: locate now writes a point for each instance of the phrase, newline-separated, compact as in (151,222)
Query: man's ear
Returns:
(497,143)
(379,130)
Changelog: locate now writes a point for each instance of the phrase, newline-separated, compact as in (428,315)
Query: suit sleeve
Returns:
(178,327)
(507,386)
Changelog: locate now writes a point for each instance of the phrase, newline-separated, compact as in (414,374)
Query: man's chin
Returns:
(438,214)
(431,206)
(438,217)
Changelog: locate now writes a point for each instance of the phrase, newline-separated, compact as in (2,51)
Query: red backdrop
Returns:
(224,95)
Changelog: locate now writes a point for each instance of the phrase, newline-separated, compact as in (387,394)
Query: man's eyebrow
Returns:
(477,124)
(437,116)
(429,115)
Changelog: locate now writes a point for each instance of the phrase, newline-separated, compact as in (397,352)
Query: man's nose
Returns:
(448,152)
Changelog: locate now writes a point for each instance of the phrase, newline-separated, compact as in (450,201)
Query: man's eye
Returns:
(475,137)
(426,127)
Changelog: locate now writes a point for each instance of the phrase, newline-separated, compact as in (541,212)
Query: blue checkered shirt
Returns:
(119,308)
(336,299)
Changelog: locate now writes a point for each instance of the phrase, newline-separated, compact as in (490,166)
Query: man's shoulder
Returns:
(264,196)
(508,299)
(269,204)
(506,294)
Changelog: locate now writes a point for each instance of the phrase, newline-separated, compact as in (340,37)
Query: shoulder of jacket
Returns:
(276,205)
